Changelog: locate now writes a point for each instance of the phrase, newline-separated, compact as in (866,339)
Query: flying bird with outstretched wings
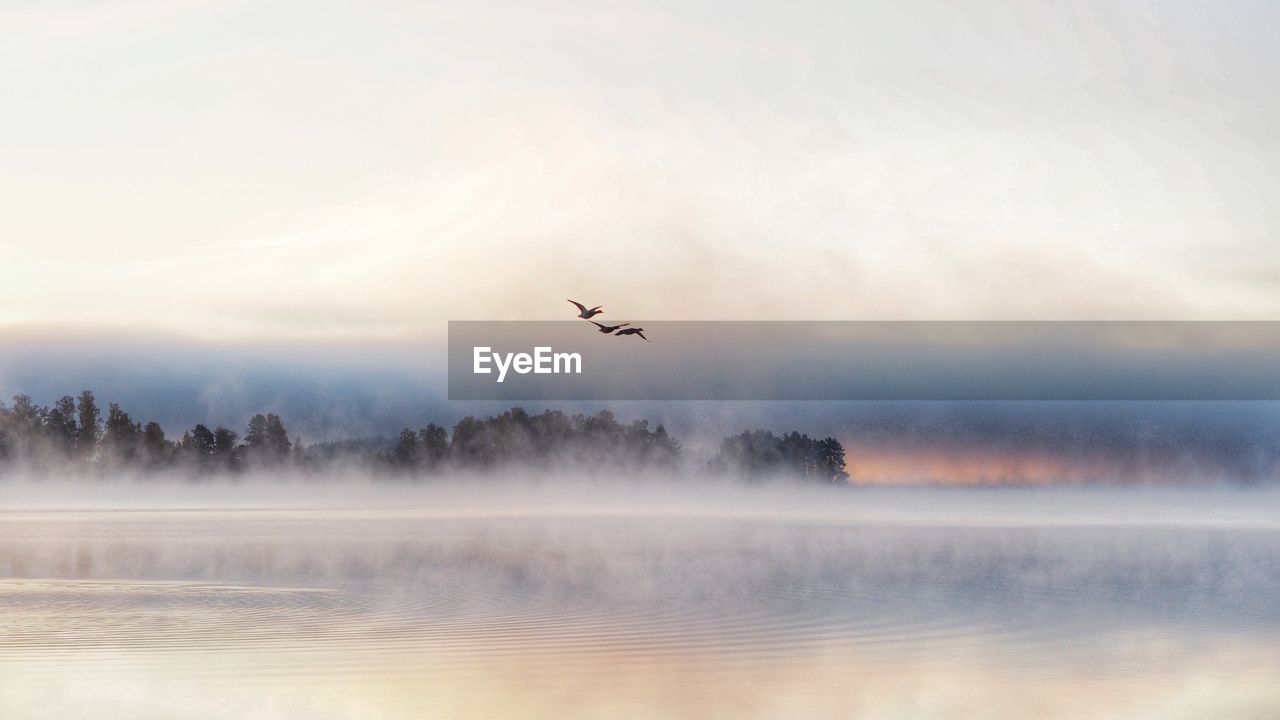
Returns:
(584,313)
(633,331)
(606,329)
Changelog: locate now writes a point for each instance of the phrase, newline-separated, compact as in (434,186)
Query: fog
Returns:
(333,390)
(591,595)
(656,494)
(1170,542)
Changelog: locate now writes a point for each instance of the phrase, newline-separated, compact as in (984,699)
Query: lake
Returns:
(658,602)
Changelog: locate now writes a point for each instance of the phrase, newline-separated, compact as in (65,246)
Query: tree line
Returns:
(73,434)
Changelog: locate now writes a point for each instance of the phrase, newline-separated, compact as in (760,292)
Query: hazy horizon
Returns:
(327,390)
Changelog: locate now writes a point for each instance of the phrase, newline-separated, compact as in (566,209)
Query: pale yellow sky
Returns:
(282,169)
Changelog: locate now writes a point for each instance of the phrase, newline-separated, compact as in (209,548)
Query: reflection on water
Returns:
(414,613)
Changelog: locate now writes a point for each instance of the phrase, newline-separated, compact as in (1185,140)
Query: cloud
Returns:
(84,21)
(680,165)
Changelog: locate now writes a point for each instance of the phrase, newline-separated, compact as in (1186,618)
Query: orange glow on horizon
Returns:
(880,465)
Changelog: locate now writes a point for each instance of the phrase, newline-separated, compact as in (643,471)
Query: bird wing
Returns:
(621,325)
(593,322)
(581,307)
(641,334)
(594,308)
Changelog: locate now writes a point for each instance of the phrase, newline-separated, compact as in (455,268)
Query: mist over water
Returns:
(663,599)
(1032,245)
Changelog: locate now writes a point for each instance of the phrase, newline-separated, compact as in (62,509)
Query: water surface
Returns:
(609,607)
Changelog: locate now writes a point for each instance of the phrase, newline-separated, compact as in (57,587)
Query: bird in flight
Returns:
(606,329)
(586,314)
(634,331)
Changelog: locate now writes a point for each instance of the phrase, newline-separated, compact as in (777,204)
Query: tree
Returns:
(121,435)
(757,453)
(277,437)
(266,440)
(552,439)
(87,434)
(405,454)
(155,449)
(6,441)
(224,441)
(24,429)
(661,449)
(60,423)
(471,444)
(225,451)
(831,455)
(256,436)
(26,415)
(200,441)
(433,442)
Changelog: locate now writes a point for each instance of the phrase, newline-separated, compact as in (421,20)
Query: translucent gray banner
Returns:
(688,360)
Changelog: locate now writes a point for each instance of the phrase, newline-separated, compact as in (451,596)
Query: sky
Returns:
(214,207)
(238,171)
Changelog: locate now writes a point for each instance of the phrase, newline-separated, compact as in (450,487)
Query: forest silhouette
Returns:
(72,436)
